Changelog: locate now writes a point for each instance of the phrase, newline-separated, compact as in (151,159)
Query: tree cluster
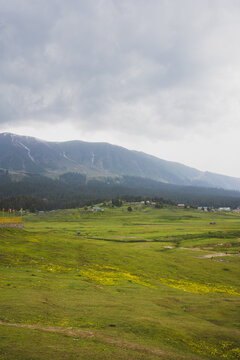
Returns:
(73,190)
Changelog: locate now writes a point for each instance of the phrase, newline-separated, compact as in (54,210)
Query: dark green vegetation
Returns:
(26,155)
(40,175)
(70,190)
(145,284)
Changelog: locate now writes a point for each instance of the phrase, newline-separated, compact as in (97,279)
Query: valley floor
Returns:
(146,284)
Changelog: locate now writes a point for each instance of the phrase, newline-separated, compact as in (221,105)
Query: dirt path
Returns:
(209,256)
(66,331)
(90,334)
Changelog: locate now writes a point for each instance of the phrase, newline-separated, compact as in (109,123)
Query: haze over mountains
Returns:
(28,155)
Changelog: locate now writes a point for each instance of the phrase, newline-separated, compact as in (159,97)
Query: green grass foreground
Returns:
(146,284)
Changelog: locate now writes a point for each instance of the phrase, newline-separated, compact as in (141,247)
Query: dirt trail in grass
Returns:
(66,331)
(90,334)
(209,256)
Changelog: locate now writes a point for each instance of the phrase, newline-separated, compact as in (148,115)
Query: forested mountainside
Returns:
(27,155)
(71,190)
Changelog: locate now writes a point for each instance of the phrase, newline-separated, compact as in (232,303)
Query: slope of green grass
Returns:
(139,281)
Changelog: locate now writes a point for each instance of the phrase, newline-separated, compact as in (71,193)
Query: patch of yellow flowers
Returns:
(103,275)
(197,288)
(225,350)
(107,275)
(56,268)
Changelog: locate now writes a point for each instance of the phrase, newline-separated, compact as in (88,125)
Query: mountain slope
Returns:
(31,155)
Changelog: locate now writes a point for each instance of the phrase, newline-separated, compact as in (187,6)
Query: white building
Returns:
(181,205)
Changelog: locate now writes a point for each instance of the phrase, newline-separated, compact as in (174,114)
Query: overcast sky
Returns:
(159,76)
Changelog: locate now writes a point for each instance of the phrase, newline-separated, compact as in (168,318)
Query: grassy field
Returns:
(150,284)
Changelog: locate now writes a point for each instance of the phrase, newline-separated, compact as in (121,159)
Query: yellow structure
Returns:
(11,220)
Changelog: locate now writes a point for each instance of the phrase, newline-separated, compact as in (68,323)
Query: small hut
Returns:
(212,223)
(97,209)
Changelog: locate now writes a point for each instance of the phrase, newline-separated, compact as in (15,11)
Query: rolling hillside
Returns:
(23,154)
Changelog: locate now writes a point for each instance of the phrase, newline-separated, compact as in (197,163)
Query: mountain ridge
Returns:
(31,155)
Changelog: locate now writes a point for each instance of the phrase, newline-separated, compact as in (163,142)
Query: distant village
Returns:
(118,203)
(208,209)
(159,205)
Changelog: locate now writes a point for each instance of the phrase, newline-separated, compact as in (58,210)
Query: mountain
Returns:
(27,155)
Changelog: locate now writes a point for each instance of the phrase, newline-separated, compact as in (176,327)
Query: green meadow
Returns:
(147,284)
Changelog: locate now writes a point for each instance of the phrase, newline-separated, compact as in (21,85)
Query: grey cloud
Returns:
(154,67)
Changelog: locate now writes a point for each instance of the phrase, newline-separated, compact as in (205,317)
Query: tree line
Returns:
(74,190)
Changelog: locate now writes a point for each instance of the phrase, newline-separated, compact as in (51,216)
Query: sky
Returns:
(158,76)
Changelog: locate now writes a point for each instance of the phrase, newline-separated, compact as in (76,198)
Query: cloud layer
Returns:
(159,69)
